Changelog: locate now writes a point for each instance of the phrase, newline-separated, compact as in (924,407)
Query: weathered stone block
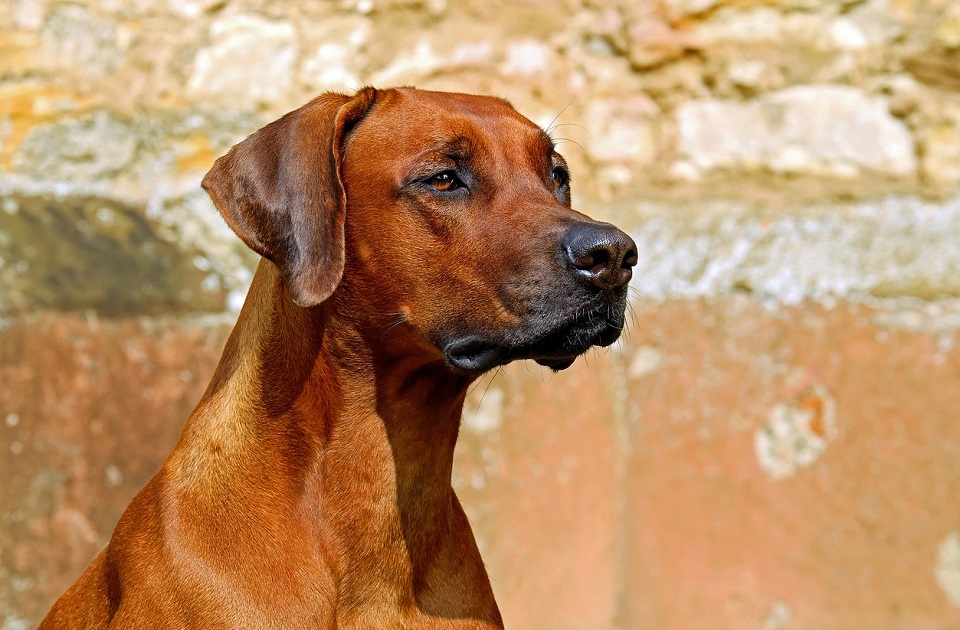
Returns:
(94,146)
(77,37)
(335,59)
(651,37)
(869,25)
(527,58)
(821,130)
(941,155)
(691,7)
(897,247)
(99,255)
(623,130)
(416,63)
(249,57)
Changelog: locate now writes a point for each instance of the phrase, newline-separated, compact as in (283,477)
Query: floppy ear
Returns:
(280,191)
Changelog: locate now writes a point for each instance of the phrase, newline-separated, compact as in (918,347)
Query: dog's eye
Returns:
(446,181)
(561,176)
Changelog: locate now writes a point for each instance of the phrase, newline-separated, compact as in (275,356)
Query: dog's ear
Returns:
(280,191)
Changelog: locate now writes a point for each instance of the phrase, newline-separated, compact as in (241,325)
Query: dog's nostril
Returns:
(599,260)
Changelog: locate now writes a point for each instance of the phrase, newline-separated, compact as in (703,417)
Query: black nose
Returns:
(600,254)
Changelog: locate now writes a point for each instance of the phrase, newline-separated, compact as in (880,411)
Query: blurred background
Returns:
(774,445)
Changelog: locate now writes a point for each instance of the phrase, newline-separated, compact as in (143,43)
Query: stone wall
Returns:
(776,444)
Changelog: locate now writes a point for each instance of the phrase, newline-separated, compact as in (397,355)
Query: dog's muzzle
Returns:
(600,260)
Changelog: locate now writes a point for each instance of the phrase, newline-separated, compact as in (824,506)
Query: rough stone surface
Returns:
(623,131)
(948,567)
(95,146)
(894,248)
(248,58)
(53,253)
(827,130)
(79,39)
(941,141)
(797,433)
(333,65)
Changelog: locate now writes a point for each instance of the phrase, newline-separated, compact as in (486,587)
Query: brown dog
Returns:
(412,241)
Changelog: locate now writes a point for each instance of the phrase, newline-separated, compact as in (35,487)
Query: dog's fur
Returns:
(411,240)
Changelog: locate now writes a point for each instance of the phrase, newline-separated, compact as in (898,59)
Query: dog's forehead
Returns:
(423,117)
(414,100)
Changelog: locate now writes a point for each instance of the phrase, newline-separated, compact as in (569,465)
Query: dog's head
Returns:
(444,219)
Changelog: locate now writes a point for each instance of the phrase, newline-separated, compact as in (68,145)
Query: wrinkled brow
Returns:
(458,148)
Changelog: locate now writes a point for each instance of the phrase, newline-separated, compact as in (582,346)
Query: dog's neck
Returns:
(364,432)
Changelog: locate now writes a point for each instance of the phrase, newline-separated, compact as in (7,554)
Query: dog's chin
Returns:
(557,364)
(556,349)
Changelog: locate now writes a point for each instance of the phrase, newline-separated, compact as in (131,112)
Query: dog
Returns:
(411,241)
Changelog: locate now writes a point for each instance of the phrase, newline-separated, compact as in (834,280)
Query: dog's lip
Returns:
(474,354)
(560,363)
(554,348)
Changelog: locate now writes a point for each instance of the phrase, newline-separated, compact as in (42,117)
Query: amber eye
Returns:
(445,181)
(561,177)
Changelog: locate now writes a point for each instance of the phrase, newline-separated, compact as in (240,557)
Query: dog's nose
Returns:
(600,254)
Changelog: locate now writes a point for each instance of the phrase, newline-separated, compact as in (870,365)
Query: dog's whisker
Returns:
(558,125)
(560,141)
(552,124)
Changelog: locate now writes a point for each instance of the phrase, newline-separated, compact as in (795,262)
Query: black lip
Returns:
(472,354)
(557,364)
(556,348)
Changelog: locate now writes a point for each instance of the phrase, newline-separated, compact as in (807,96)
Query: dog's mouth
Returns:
(555,347)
